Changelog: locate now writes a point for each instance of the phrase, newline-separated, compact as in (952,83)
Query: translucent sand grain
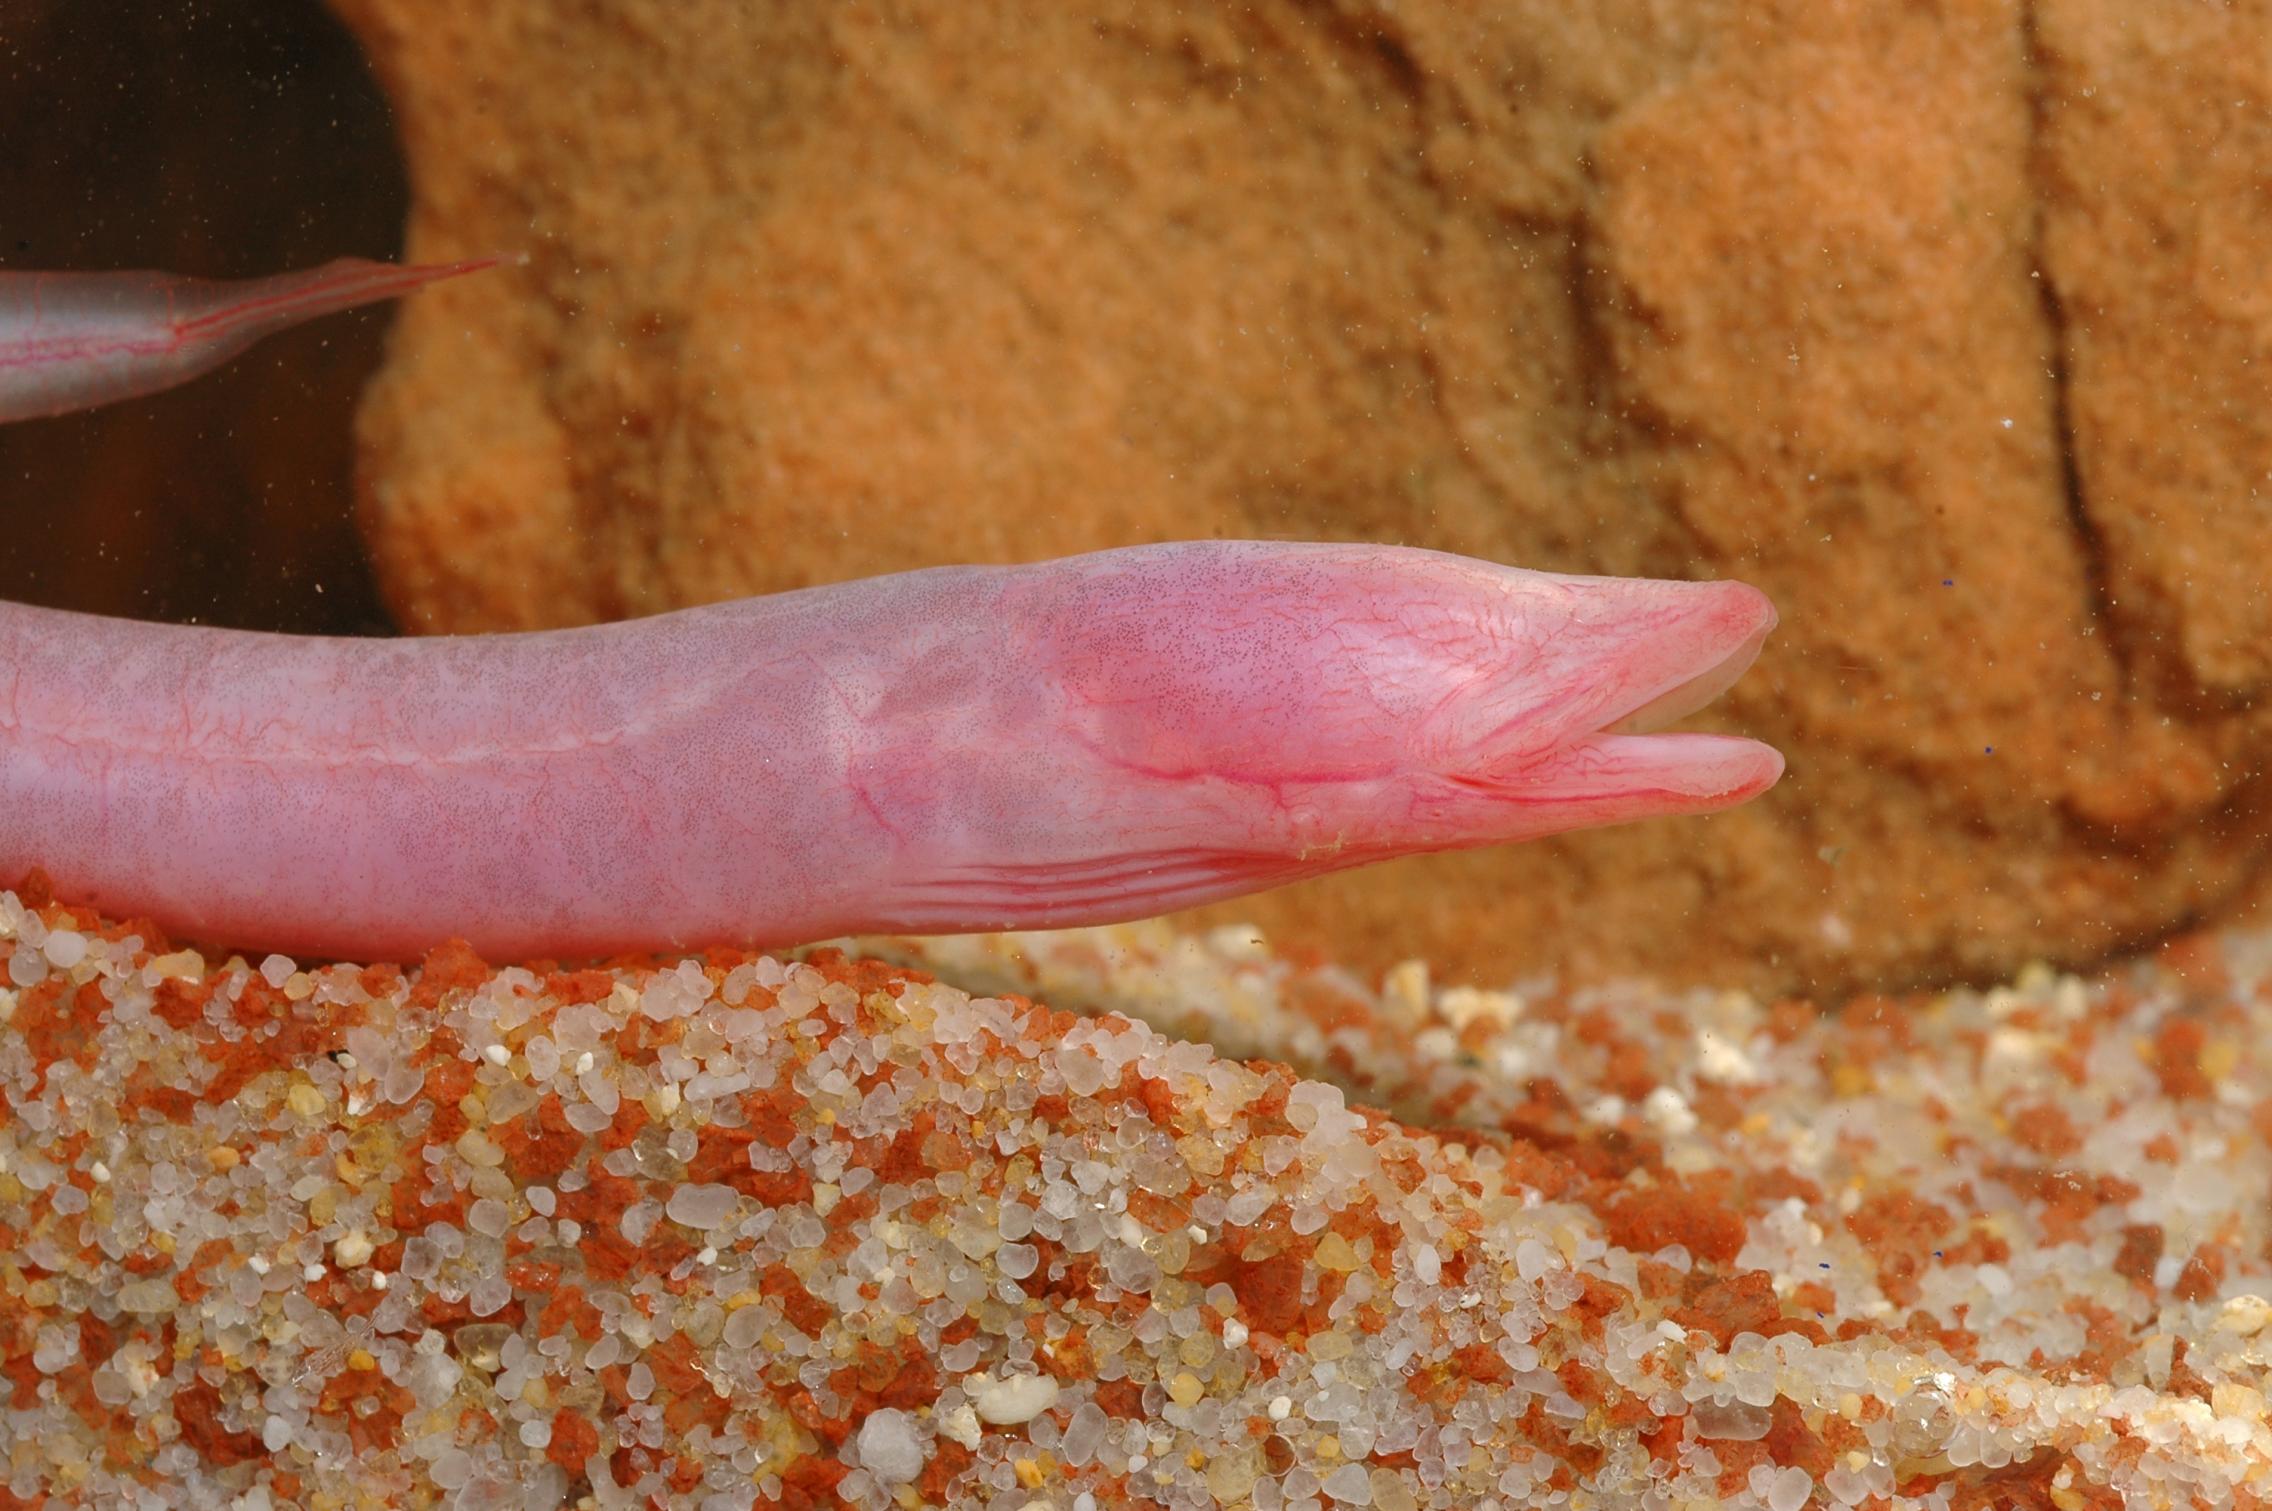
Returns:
(742,1231)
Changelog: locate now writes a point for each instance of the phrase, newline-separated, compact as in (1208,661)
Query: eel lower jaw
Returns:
(1613,778)
(1676,773)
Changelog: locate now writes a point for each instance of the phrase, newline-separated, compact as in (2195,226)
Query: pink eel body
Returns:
(73,340)
(1076,741)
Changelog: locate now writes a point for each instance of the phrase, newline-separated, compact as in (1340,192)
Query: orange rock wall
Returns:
(1947,325)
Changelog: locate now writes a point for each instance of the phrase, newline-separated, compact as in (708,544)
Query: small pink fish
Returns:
(74,340)
(1077,741)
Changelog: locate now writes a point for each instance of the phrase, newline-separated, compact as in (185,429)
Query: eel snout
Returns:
(1260,712)
(1736,606)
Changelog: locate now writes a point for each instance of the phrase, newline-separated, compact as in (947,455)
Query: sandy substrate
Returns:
(741,1231)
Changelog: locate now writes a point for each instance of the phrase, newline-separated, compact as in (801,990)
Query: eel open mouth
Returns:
(1629,765)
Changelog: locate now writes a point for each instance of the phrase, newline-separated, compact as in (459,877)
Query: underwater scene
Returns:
(1312,755)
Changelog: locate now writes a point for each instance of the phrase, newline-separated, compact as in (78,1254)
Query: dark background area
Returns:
(222,141)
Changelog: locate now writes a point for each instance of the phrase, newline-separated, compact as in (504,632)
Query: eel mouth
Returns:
(1618,761)
(1632,760)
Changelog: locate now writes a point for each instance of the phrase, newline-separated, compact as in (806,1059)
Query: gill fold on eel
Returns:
(1077,741)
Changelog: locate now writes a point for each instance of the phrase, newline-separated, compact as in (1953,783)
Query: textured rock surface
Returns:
(2159,269)
(1944,324)
(732,1231)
